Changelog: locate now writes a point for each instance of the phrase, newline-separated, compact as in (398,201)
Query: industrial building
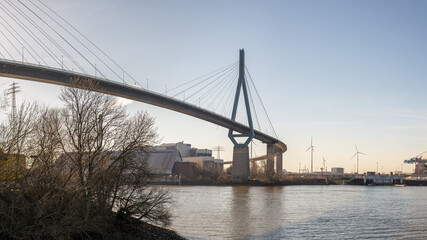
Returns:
(162,162)
(202,157)
(420,169)
(168,160)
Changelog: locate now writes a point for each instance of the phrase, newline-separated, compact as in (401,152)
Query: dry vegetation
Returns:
(87,175)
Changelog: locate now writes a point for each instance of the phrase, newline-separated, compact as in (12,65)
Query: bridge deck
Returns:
(61,77)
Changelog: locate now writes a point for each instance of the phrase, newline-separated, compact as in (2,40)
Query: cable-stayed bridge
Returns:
(37,44)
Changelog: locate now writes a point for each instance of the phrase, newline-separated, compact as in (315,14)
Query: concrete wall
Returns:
(279,163)
(207,163)
(241,163)
(270,161)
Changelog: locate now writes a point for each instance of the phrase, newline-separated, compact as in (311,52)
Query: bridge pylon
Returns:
(241,150)
(269,171)
(279,162)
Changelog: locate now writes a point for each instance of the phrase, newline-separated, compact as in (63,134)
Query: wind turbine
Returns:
(357,156)
(324,162)
(312,150)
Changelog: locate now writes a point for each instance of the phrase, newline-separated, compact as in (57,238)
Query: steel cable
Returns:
(51,52)
(53,41)
(79,42)
(7,29)
(262,104)
(172,89)
(93,44)
(209,91)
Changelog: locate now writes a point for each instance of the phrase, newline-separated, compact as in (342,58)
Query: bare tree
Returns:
(88,164)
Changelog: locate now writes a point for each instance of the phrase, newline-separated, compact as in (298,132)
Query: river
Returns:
(300,212)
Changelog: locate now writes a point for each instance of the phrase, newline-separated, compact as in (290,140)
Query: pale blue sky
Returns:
(343,72)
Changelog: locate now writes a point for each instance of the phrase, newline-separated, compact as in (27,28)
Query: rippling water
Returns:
(300,212)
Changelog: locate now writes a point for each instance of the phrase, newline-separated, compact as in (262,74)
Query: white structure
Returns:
(183,148)
(337,171)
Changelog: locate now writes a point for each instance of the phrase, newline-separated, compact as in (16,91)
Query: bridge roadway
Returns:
(38,73)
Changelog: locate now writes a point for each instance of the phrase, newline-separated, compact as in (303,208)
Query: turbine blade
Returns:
(356,147)
(354,155)
(362,153)
(308,149)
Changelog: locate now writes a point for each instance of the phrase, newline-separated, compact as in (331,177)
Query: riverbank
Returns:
(141,230)
(275,181)
(225,180)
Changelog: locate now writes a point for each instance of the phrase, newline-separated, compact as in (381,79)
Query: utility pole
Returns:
(14,88)
(218,149)
(377,167)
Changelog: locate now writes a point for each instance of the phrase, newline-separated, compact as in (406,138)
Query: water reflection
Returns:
(240,212)
(301,212)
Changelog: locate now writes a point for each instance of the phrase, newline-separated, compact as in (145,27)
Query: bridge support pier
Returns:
(279,163)
(241,163)
(269,171)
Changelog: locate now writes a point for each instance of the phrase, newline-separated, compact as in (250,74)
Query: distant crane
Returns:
(357,156)
(312,150)
(417,159)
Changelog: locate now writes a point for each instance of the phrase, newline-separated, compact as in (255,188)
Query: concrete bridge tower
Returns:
(241,150)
